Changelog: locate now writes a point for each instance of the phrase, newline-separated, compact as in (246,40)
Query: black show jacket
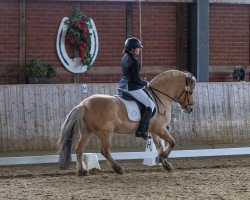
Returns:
(131,67)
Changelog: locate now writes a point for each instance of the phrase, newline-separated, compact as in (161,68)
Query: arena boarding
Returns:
(221,115)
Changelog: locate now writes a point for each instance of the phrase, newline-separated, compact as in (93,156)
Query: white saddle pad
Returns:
(133,110)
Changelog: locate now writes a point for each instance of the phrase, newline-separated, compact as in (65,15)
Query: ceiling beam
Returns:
(168,1)
(230,1)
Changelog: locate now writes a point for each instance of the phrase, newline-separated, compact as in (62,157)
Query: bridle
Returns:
(188,90)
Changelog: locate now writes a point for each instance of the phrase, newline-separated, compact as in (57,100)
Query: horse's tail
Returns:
(72,125)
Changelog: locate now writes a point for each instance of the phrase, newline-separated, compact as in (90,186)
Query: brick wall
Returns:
(229,37)
(9,41)
(158,33)
(43,18)
(41,34)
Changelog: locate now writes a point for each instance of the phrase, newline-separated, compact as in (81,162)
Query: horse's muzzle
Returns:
(188,109)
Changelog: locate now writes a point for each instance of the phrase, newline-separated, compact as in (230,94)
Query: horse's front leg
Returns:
(105,151)
(159,147)
(164,153)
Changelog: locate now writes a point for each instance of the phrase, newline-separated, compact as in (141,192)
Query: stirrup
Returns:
(143,135)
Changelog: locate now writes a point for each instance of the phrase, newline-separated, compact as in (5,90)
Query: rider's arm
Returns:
(136,74)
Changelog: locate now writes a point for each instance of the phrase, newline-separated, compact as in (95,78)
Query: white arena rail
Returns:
(130,155)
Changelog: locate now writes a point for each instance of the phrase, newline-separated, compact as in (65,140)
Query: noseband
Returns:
(186,91)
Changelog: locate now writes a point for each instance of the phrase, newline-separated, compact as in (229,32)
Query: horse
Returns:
(104,115)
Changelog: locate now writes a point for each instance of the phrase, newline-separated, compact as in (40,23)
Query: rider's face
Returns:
(137,51)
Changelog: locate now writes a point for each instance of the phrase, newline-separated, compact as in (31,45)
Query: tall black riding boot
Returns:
(143,126)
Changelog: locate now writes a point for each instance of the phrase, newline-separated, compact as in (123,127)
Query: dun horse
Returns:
(104,115)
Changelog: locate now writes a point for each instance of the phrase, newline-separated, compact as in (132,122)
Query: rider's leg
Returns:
(141,96)
(143,126)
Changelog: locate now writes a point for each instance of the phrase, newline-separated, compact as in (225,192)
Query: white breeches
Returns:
(141,96)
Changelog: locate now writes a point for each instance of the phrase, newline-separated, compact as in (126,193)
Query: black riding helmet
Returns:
(132,43)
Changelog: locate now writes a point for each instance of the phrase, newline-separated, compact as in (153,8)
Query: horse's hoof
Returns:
(82,173)
(167,166)
(159,160)
(120,171)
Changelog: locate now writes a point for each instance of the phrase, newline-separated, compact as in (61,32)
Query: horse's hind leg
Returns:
(82,143)
(105,150)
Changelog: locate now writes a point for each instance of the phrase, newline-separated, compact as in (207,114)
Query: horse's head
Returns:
(175,85)
(185,95)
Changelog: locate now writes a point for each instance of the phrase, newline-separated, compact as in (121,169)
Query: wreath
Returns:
(78,35)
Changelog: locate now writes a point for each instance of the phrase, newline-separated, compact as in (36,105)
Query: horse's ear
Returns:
(190,76)
(193,79)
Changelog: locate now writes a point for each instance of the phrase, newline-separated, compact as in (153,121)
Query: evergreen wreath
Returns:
(78,34)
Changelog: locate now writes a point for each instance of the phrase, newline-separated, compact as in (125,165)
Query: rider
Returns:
(132,83)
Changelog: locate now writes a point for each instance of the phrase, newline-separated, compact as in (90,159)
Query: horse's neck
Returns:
(170,85)
(168,82)
(168,90)
(163,104)
(167,87)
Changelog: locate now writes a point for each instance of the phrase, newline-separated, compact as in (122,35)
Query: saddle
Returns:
(133,106)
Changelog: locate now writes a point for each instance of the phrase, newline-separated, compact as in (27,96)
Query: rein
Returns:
(186,90)
(156,97)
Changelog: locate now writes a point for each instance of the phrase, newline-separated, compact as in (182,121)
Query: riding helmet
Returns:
(132,43)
